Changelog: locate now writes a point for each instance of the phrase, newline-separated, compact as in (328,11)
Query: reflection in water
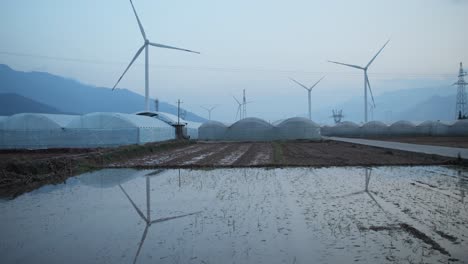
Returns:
(147,218)
(290,215)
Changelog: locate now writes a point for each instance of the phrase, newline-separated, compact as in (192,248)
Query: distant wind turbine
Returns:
(209,109)
(366,78)
(145,46)
(309,90)
(239,108)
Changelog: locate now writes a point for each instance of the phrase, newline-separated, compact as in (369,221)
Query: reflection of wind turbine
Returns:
(145,46)
(366,79)
(147,218)
(309,90)
(209,109)
(239,108)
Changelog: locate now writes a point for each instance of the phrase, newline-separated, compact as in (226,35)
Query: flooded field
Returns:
(251,215)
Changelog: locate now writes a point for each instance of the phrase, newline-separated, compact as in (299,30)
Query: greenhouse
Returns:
(250,129)
(115,129)
(297,128)
(212,130)
(33,131)
(374,129)
(402,128)
(432,128)
(459,128)
(344,129)
(38,131)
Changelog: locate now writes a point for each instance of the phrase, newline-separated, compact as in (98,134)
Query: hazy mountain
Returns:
(11,104)
(71,96)
(416,104)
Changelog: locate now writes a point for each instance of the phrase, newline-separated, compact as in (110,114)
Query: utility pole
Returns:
(461,95)
(178,111)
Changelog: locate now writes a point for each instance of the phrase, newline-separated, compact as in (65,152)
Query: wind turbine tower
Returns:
(309,90)
(461,94)
(146,44)
(366,79)
(239,108)
(244,105)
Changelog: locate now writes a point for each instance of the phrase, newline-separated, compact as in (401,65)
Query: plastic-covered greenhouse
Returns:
(33,131)
(459,128)
(212,130)
(344,129)
(250,129)
(374,129)
(402,128)
(255,129)
(297,128)
(432,128)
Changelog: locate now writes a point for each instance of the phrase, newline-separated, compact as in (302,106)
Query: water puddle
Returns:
(293,215)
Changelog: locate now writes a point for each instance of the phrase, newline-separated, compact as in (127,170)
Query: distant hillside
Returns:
(11,104)
(74,97)
(417,104)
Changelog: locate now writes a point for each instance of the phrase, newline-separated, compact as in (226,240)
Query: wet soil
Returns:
(279,154)
(25,170)
(454,142)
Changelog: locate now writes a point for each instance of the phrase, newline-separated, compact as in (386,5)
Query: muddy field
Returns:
(278,154)
(23,171)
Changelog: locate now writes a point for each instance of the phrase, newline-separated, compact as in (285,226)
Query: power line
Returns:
(219,69)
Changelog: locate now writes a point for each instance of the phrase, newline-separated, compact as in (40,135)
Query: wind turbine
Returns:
(309,90)
(147,219)
(145,46)
(239,108)
(366,79)
(209,109)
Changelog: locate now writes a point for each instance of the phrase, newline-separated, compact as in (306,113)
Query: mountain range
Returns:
(64,95)
(48,93)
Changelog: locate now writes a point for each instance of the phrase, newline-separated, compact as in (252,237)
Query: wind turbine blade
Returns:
(139,22)
(205,108)
(133,204)
(128,67)
(174,217)
(316,83)
(349,65)
(303,86)
(370,90)
(370,62)
(170,47)
(141,243)
(236,100)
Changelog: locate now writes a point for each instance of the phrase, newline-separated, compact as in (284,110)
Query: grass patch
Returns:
(278,152)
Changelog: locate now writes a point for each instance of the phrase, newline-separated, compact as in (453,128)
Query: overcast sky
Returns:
(245,44)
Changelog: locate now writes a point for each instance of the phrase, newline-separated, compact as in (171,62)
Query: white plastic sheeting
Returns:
(374,129)
(212,130)
(297,128)
(343,129)
(402,128)
(33,131)
(30,121)
(250,129)
(432,128)
(459,128)
(255,129)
